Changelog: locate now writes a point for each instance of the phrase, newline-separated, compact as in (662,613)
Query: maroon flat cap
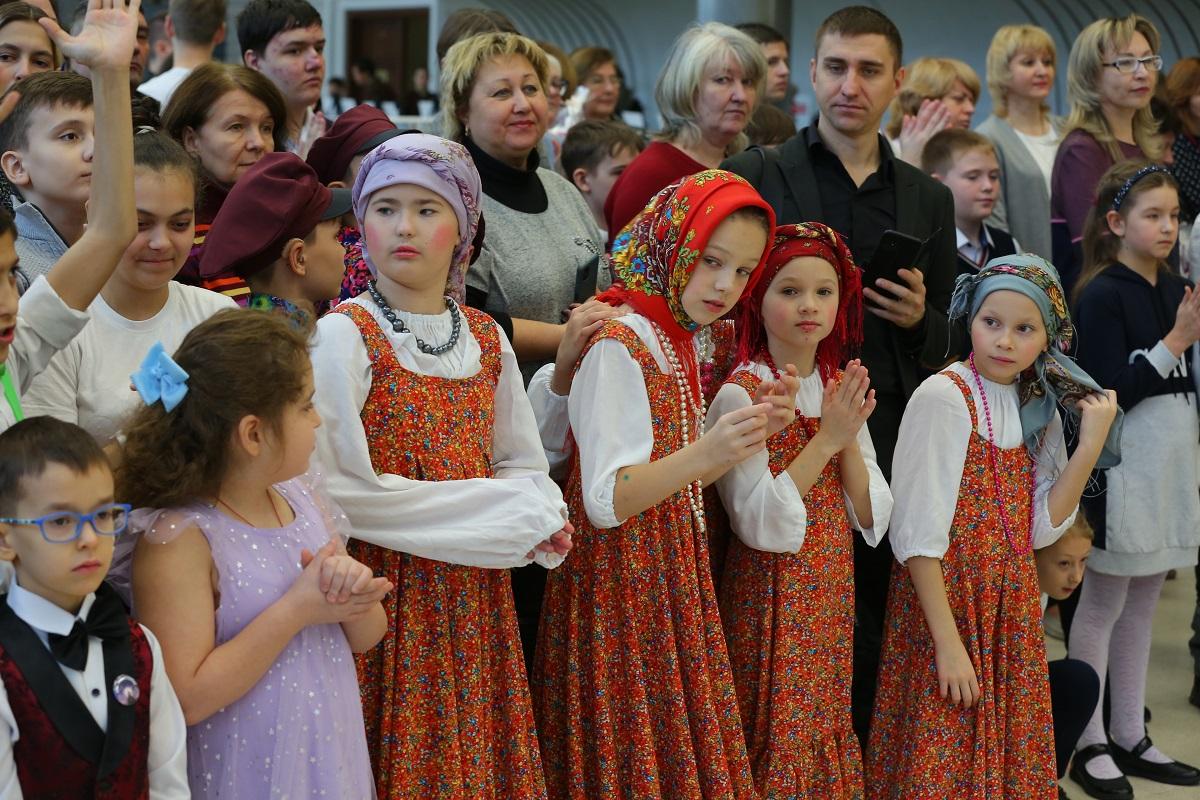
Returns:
(358,131)
(278,199)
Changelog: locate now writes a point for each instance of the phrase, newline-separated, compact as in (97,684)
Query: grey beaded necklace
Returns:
(399,327)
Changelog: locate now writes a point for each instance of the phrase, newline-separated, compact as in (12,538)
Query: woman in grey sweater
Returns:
(541,247)
(1020,76)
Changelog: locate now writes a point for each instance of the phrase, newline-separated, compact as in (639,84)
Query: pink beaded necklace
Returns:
(1026,547)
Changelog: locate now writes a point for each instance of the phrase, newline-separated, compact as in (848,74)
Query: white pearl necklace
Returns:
(688,419)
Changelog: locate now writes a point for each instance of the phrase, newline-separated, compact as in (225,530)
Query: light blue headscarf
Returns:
(1054,379)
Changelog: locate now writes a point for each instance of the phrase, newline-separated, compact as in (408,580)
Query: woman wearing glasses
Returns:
(1111,75)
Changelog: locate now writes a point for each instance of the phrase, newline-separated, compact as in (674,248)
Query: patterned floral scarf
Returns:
(654,256)
(1054,379)
(810,239)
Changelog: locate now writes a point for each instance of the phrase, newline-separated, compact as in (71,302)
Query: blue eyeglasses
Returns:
(60,527)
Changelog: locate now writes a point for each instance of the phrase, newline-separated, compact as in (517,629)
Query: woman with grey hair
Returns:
(706,93)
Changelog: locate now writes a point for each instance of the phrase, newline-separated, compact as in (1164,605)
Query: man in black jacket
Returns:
(840,171)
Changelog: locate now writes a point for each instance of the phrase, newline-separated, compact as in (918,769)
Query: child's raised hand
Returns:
(846,405)
(1096,414)
(957,681)
(584,320)
(781,394)
(559,542)
(108,36)
(1186,330)
(737,435)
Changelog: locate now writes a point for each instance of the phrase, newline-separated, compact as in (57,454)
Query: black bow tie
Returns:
(106,620)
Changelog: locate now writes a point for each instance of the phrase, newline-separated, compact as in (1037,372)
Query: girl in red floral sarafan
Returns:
(631,681)
(430,442)
(963,708)
(787,592)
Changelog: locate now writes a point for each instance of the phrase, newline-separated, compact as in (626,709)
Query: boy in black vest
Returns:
(965,161)
(86,709)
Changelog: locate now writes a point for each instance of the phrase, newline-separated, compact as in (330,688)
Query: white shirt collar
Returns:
(43,615)
(962,240)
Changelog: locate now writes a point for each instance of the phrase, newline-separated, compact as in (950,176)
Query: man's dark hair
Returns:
(28,447)
(591,141)
(862,21)
(468,22)
(197,21)
(42,90)
(262,20)
(761,33)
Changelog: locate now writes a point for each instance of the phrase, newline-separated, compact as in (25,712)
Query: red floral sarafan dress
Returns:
(922,746)
(631,681)
(445,696)
(789,622)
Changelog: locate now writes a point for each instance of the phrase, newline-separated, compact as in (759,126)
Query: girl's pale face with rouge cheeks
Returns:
(1007,335)
(166,213)
(800,306)
(723,269)
(411,233)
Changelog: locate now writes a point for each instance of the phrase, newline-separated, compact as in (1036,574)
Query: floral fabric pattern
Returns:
(1003,748)
(445,695)
(631,683)
(789,623)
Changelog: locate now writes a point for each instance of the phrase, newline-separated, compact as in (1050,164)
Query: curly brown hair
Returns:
(239,363)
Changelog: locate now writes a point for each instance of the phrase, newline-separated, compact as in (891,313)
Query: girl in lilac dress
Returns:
(242,567)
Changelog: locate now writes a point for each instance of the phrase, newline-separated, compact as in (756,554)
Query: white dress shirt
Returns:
(931,452)
(767,512)
(478,522)
(167,756)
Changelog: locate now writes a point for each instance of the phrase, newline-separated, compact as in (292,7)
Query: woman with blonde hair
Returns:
(1021,65)
(541,245)
(1111,75)
(937,93)
(706,92)
(540,234)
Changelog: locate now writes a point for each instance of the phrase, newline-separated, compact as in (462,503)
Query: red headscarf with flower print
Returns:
(798,241)
(655,254)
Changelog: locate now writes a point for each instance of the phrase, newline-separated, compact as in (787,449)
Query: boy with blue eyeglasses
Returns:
(86,709)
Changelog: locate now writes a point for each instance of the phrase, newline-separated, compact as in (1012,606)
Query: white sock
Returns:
(1102,767)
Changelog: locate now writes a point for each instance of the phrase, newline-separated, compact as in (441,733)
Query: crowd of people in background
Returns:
(570,452)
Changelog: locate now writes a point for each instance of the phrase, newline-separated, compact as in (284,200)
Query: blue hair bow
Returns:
(160,378)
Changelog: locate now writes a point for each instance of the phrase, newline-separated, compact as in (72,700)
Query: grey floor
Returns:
(1176,726)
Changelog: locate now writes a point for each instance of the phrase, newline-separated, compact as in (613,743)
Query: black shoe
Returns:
(1062,795)
(1175,773)
(1099,788)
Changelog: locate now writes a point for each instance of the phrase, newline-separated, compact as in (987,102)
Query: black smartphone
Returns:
(896,251)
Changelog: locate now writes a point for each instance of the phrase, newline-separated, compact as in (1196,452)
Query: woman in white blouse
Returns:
(1020,76)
